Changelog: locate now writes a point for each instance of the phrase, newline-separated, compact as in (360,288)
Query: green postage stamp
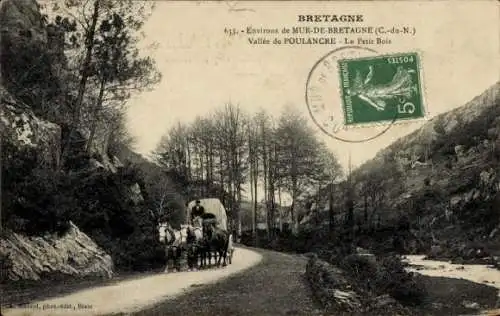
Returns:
(381,88)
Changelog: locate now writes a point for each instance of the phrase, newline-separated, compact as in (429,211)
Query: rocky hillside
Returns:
(442,180)
(66,209)
(73,254)
(31,257)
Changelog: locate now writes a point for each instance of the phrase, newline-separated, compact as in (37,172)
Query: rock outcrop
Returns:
(86,184)
(22,21)
(22,128)
(32,64)
(73,254)
(331,287)
(32,98)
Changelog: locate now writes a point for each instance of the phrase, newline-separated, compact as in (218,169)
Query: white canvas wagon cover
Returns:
(213,206)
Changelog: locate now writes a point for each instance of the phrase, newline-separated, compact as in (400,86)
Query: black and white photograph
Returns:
(249,158)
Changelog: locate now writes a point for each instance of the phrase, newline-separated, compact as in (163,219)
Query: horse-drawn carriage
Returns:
(200,240)
(215,216)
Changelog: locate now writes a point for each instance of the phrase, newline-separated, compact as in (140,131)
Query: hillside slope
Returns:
(441,180)
(53,182)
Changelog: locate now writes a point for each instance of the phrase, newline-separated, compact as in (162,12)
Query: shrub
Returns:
(362,269)
(401,285)
(36,200)
(385,276)
(325,280)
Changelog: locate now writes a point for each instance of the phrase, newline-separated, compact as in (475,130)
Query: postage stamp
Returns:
(381,88)
(355,94)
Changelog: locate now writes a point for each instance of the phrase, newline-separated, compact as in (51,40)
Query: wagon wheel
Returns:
(230,257)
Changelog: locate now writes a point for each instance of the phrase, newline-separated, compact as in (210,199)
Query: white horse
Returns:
(203,247)
(197,231)
(194,244)
(174,241)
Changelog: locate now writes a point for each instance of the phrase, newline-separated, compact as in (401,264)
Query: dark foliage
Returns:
(385,275)
(401,285)
(39,200)
(35,200)
(126,231)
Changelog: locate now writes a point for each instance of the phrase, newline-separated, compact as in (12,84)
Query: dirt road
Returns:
(256,283)
(276,286)
(133,295)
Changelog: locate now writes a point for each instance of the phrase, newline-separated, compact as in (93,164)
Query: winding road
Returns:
(258,282)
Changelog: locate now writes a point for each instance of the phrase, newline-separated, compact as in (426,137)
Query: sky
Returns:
(203,68)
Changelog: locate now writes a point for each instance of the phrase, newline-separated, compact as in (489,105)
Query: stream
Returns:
(477,273)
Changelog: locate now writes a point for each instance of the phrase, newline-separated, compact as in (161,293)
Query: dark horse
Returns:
(218,240)
(192,246)
(206,247)
(210,238)
(198,246)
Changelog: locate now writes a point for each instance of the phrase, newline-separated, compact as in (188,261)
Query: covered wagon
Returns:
(212,206)
(215,207)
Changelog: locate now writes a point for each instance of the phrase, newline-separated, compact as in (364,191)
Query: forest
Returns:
(255,157)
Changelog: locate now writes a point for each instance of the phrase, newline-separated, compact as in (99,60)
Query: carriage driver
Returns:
(197,212)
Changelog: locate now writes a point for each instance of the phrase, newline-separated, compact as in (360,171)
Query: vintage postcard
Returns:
(250,157)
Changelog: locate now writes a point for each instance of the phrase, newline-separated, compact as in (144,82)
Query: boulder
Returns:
(381,304)
(73,254)
(331,287)
(367,260)
(362,251)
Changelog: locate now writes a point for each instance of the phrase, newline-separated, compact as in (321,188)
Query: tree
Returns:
(375,191)
(265,136)
(172,153)
(164,199)
(253,160)
(118,69)
(227,148)
(104,55)
(118,133)
(330,172)
(230,130)
(301,157)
